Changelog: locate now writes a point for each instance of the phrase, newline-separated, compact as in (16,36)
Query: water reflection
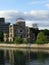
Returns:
(1,57)
(26,58)
(42,56)
(19,58)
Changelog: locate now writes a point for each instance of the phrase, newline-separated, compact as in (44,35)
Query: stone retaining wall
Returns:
(42,46)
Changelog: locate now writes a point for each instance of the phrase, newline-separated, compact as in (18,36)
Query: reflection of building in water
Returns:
(17,29)
(9,57)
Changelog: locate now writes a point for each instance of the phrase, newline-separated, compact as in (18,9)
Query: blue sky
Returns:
(24,5)
(33,11)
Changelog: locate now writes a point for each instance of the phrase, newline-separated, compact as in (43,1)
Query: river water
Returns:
(26,58)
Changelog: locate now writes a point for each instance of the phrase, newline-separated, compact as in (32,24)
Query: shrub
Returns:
(18,40)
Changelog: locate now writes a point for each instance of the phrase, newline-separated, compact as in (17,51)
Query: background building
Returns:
(4,28)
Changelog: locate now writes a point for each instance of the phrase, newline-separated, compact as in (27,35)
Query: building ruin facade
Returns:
(19,29)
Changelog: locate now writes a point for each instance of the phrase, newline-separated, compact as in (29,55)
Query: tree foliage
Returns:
(46,32)
(18,40)
(41,38)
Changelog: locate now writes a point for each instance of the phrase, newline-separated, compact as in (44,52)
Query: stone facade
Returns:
(32,34)
(18,29)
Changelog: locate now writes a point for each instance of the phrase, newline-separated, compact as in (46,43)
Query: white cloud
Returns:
(47,5)
(8,15)
(41,17)
(34,2)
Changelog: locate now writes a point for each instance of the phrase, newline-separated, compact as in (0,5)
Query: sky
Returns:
(33,11)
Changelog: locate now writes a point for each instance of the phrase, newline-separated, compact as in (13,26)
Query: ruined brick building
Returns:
(18,29)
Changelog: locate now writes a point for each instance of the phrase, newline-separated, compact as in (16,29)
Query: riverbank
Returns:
(35,46)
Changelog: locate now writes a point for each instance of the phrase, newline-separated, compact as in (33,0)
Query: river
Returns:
(40,57)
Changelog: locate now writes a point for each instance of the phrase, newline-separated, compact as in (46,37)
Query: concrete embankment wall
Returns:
(40,46)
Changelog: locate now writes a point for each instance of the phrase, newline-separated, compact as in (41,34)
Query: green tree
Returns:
(41,38)
(18,40)
(46,32)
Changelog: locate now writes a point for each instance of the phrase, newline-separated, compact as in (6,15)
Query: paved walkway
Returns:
(24,46)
